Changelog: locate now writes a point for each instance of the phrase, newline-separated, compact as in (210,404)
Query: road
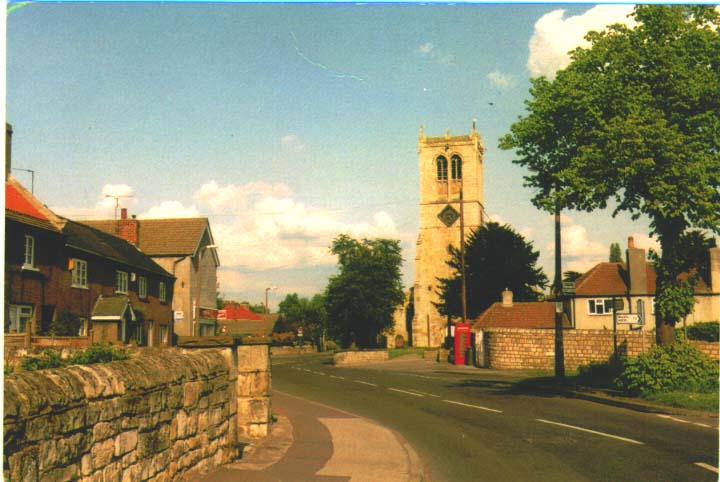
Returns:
(470,424)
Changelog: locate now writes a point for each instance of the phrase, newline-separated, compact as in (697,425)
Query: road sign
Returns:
(568,287)
(628,318)
(300,331)
(179,315)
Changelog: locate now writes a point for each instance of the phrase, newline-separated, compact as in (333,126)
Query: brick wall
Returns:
(535,349)
(157,417)
(352,357)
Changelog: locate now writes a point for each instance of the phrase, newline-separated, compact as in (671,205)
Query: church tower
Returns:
(447,165)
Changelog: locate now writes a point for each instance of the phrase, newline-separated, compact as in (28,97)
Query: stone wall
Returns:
(535,349)
(353,357)
(156,417)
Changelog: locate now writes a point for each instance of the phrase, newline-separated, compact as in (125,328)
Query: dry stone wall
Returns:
(354,357)
(535,349)
(156,417)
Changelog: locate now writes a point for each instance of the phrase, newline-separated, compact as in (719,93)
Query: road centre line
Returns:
(427,394)
(707,467)
(365,383)
(317,373)
(339,378)
(480,407)
(404,391)
(591,431)
(702,424)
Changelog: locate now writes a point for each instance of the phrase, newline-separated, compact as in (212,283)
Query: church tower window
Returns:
(456,167)
(442,168)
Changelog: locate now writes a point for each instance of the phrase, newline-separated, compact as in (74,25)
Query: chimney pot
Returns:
(123,213)
(507,298)
(631,242)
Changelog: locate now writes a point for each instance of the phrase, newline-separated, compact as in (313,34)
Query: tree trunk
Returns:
(664,331)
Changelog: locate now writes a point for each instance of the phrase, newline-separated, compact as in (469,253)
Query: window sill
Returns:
(80,287)
(27,267)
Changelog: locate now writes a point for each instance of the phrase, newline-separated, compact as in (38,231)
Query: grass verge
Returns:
(396,352)
(690,400)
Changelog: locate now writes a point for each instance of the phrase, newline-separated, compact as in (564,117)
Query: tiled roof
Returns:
(606,279)
(239,312)
(22,206)
(108,246)
(111,306)
(529,314)
(163,237)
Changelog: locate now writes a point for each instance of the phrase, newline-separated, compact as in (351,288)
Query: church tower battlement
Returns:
(447,165)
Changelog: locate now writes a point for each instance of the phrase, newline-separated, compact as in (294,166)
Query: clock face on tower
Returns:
(448,215)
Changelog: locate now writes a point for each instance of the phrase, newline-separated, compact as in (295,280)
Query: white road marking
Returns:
(404,391)
(339,378)
(317,373)
(365,383)
(306,370)
(425,393)
(480,407)
(591,431)
(679,420)
(707,467)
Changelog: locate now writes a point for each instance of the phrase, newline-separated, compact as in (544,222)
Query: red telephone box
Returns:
(463,340)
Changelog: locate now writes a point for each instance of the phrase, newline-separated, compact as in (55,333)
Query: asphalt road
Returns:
(475,425)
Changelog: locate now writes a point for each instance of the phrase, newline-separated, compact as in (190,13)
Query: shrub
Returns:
(283,339)
(666,368)
(331,345)
(601,374)
(97,354)
(705,331)
(48,359)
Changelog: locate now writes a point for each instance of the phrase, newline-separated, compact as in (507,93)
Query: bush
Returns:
(97,354)
(331,345)
(601,374)
(667,368)
(704,331)
(48,359)
(283,339)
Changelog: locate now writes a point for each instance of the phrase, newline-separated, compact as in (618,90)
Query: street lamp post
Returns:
(196,321)
(267,308)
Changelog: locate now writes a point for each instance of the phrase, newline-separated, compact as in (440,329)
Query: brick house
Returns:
(184,247)
(60,270)
(524,314)
(610,288)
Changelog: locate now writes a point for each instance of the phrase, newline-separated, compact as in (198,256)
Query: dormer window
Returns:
(456,167)
(442,168)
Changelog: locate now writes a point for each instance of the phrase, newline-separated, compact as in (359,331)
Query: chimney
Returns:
(637,269)
(128,229)
(8,149)
(507,298)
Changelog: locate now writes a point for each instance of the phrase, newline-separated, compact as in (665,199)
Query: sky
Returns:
(286,125)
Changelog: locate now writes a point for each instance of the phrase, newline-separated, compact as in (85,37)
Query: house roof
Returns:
(524,314)
(239,312)
(164,237)
(23,207)
(112,307)
(606,279)
(105,245)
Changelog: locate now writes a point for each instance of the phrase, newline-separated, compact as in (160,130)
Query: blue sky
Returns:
(284,124)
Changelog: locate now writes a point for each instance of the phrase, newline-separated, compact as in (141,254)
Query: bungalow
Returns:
(609,289)
(525,315)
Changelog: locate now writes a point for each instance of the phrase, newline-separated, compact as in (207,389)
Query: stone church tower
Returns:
(447,163)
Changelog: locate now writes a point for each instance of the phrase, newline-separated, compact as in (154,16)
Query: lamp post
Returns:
(196,321)
(267,308)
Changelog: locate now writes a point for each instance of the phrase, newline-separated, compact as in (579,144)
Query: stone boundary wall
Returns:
(535,349)
(292,350)
(155,417)
(355,357)
(707,347)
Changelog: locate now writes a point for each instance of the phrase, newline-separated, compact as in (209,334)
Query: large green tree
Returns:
(361,299)
(615,253)
(308,313)
(496,257)
(634,119)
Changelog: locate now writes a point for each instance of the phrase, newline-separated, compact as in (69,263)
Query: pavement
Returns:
(314,442)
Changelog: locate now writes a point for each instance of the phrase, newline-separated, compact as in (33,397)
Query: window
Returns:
(163,334)
(20,316)
(29,258)
(442,168)
(602,306)
(83,330)
(161,292)
(79,274)
(456,167)
(121,281)
(142,287)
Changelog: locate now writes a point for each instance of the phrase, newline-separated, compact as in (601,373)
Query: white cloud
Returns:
(643,241)
(499,79)
(112,197)
(428,50)
(292,141)
(579,252)
(170,209)
(555,35)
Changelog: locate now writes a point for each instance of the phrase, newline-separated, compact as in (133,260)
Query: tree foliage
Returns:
(496,257)
(615,253)
(362,297)
(308,313)
(634,119)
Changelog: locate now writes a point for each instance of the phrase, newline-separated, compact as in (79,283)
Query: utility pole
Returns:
(117,202)
(462,253)
(32,178)
(557,290)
